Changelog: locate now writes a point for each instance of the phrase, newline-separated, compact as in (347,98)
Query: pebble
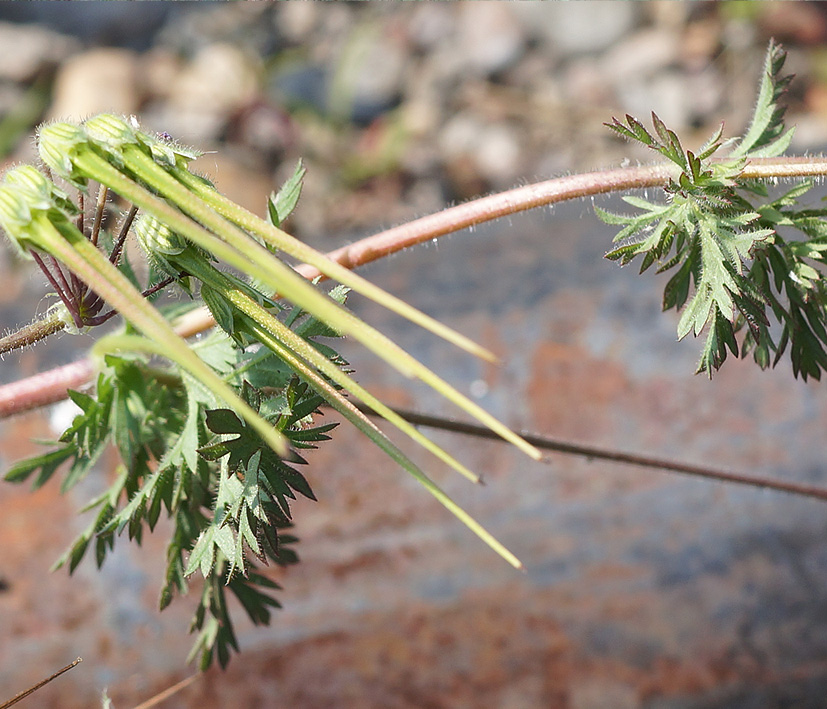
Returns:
(489,38)
(802,23)
(665,93)
(498,154)
(640,55)
(460,135)
(430,24)
(159,69)
(573,28)
(297,20)
(374,81)
(218,81)
(492,149)
(26,49)
(96,81)
(220,78)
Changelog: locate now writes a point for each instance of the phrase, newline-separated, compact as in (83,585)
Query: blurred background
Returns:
(642,589)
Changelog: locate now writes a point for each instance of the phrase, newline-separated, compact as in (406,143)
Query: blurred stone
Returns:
(491,151)
(302,84)
(120,24)
(640,56)
(159,69)
(421,114)
(188,124)
(297,19)
(421,159)
(96,81)
(264,128)
(700,43)
(374,84)
(585,83)
(799,23)
(498,154)
(10,96)
(668,15)
(708,92)
(460,135)
(578,27)
(430,24)
(489,38)
(533,73)
(25,49)
(220,79)
(191,30)
(643,70)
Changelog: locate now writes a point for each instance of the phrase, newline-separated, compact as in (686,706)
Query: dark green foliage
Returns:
(741,269)
(225,491)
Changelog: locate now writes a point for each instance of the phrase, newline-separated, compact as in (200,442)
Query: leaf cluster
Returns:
(226,492)
(746,266)
(212,438)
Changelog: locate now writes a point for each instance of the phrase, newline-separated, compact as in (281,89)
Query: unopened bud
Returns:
(57,143)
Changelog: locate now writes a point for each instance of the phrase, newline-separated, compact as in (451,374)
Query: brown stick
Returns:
(25,693)
(594,452)
(167,693)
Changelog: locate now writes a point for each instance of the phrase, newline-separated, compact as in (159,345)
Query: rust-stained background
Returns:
(641,589)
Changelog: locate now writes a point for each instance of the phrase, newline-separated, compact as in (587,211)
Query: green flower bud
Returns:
(15,213)
(110,132)
(16,217)
(57,143)
(157,238)
(159,242)
(33,183)
(43,193)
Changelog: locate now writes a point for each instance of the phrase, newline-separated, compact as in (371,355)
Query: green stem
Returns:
(66,243)
(277,329)
(355,417)
(283,241)
(258,262)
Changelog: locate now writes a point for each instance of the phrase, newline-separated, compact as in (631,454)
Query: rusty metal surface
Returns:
(641,590)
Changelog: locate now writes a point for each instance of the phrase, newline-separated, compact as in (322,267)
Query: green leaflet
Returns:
(735,277)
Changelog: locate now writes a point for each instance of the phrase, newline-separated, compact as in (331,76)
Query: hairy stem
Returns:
(36,331)
(44,389)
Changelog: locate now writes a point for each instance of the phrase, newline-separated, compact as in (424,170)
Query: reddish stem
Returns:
(433,226)
(44,388)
